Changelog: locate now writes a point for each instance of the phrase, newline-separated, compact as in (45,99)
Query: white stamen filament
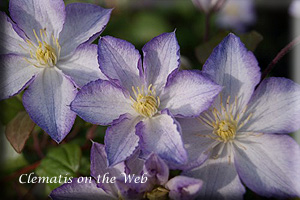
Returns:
(225,122)
(43,54)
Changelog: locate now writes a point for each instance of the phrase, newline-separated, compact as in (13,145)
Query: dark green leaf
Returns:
(145,26)
(61,161)
(204,50)
(84,169)
(10,108)
(251,40)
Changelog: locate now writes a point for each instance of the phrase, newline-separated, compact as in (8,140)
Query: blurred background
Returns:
(265,26)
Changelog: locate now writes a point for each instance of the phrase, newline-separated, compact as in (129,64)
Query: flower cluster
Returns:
(141,99)
(155,186)
(222,126)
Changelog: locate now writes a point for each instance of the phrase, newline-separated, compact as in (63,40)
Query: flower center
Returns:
(225,130)
(145,104)
(224,122)
(46,53)
(233,10)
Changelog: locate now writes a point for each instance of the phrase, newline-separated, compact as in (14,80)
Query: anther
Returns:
(145,104)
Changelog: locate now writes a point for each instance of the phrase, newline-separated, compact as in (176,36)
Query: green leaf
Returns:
(18,130)
(204,50)
(251,41)
(85,166)
(10,108)
(61,161)
(145,26)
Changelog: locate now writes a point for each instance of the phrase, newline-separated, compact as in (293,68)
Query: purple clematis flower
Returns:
(46,46)
(294,9)
(156,185)
(139,102)
(237,15)
(208,6)
(234,141)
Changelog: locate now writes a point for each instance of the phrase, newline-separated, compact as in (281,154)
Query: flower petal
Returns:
(47,102)
(235,68)
(10,41)
(193,126)
(161,57)
(275,106)
(157,170)
(220,179)
(84,22)
(188,93)
(37,15)
(99,167)
(101,102)
(161,134)
(119,60)
(131,190)
(134,164)
(195,142)
(270,165)
(120,140)
(83,191)
(16,74)
(83,65)
(183,188)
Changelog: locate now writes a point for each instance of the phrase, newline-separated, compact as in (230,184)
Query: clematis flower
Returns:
(294,8)
(237,15)
(241,137)
(46,47)
(139,102)
(156,185)
(208,5)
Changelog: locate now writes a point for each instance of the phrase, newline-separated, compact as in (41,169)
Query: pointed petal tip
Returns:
(110,10)
(56,139)
(96,144)
(163,36)
(231,37)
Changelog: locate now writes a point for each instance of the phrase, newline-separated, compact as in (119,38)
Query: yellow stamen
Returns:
(226,130)
(36,37)
(44,54)
(145,104)
(225,121)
